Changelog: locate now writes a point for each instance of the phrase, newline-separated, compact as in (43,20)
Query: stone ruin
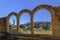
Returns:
(55,14)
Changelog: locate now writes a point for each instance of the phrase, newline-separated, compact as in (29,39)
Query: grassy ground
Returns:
(43,32)
(35,32)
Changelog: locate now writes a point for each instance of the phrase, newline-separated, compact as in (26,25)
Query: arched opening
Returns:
(13,24)
(25,27)
(43,22)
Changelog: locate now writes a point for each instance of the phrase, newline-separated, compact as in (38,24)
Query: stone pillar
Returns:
(32,25)
(18,26)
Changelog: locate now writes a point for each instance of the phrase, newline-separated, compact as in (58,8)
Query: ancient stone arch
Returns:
(31,13)
(55,11)
(24,11)
(19,15)
(7,19)
(45,7)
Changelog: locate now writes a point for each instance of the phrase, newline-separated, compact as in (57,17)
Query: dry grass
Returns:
(35,32)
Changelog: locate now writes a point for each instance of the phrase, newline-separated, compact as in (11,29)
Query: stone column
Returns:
(18,26)
(32,25)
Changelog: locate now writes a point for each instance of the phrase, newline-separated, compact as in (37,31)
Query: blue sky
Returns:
(7,6)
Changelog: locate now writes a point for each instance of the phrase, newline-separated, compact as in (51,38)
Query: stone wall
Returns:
(2,25)
(57,22)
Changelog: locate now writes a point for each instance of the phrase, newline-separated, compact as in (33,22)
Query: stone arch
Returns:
(7,19)
(31,13)
(18,17)
(44,7)
(24,11)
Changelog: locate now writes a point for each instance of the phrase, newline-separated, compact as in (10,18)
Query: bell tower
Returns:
(13,22)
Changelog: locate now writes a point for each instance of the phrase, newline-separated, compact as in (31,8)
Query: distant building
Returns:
(13,25)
